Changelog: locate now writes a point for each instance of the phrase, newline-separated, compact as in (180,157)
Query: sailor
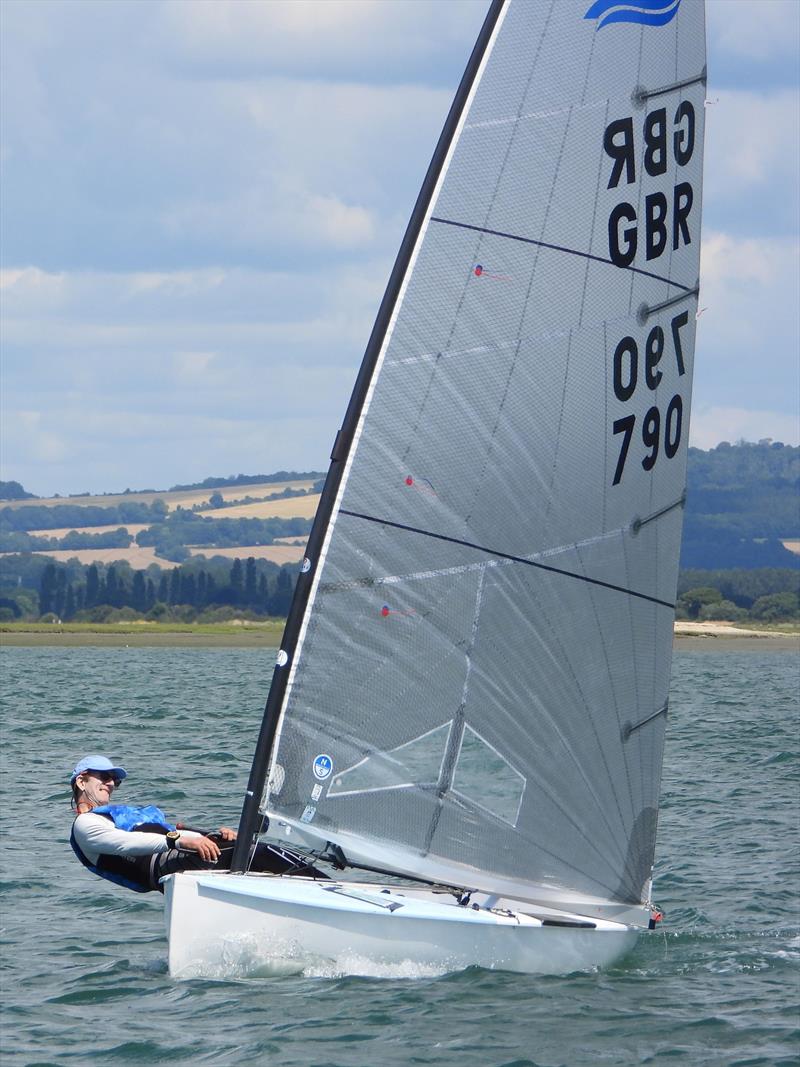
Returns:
(136,846)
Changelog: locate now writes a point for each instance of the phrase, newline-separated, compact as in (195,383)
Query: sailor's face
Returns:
(99,786)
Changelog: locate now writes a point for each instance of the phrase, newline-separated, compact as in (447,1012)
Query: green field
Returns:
(243,633)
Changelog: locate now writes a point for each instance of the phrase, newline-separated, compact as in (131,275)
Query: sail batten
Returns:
(479,659)
(497,554)
(567,251)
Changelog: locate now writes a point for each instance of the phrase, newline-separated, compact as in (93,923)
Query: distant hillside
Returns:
(742,501)
(251,479)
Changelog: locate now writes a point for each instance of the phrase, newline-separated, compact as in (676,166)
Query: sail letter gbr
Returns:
(667,137)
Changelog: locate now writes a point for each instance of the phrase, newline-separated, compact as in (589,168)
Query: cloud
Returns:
(177,374)
(747,338)
(368,40)
(710,425)
(202,202)
(753,160)
(762,30)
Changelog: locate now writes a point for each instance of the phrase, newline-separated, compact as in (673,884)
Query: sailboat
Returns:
(467,714)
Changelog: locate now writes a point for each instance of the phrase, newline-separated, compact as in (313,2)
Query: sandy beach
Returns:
(725,637)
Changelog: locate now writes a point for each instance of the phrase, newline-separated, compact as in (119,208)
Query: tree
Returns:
(216,500)
(60,594)
(694,599)
(47,589)
(92,587)
(776,607)
(139,592)
(13,491)
(237,581)
(282,597)
(250,582)
(113,596)
(188,589)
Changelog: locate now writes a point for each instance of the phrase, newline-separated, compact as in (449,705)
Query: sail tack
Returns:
(484,657)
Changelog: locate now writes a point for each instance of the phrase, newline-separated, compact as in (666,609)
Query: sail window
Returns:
(485,778)
(417,762)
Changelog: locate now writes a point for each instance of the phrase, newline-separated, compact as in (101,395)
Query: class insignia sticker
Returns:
(322,766)
(643,12)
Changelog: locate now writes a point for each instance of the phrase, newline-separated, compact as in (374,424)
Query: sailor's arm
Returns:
(97,836)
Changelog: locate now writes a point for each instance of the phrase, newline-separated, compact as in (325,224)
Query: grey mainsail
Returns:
(477,692)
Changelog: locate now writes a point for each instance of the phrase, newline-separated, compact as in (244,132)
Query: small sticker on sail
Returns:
(282,658)
(309,811)
(316,792)
(322,766)
(422,484)
(306,566)
(480,271)
(386,611)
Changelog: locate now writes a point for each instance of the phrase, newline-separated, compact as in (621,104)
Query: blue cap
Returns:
(97,763)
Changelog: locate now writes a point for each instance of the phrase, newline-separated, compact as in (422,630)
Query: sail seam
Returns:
(558,248)
(509,556)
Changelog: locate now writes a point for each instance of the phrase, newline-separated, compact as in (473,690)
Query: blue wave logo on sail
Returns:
(644,12)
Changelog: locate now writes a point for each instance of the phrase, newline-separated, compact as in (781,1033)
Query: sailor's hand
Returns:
(226,833)
(203,846)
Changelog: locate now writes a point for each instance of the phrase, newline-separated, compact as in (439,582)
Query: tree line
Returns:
(34,587)
(253,586)
(764,595)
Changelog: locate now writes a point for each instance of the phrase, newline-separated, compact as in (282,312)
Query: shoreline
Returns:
(689,637)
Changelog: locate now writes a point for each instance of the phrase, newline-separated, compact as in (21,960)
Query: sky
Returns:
(201,201)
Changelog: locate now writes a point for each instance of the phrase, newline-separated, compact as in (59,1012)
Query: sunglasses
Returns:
(106,776)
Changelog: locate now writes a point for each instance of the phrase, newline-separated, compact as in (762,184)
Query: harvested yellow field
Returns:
(139,558)
(279,554)
(304,507)
(793,546)
(133,529)
(185,497)
(301,540)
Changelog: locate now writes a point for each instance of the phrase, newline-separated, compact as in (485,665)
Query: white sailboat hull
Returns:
(223,925)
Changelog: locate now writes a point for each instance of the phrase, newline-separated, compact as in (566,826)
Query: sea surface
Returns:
(84,963)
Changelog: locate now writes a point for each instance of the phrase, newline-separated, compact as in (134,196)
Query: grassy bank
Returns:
(244,633)
(711,636)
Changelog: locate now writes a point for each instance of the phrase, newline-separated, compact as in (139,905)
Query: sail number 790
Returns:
(659,432)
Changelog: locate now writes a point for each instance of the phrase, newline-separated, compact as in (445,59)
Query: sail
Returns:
(478,688)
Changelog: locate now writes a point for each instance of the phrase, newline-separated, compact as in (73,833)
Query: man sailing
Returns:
(136,846)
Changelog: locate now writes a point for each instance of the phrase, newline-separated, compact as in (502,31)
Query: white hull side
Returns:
(222,925)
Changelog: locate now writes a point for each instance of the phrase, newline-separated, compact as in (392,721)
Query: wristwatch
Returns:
(173,837)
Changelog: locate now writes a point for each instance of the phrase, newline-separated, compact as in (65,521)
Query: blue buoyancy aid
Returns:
(133,872)
(129,817)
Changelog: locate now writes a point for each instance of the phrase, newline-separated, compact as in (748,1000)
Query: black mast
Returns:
(250,820)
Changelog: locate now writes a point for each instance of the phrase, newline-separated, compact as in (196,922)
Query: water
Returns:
(84,972)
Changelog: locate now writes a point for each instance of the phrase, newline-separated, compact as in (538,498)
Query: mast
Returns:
(250,820)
